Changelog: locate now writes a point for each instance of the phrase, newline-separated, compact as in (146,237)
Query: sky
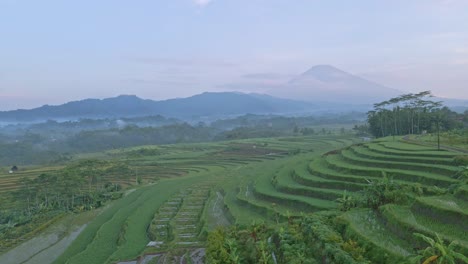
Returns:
(54,51)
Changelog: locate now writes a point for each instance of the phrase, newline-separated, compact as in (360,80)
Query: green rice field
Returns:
(189,189)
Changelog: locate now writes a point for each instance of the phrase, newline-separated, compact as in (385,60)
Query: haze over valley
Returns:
(321,89)
(234,132)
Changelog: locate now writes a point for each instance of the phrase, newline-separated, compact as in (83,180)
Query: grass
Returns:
(447,209)
(86,237)
(320,167)
(268,180)
(426,154)
(379,242)
(406,223)
(453,139)
(242,210)
(286,184)
(338,163)
(439,169)
(97,244)
(365,152)
(127,219)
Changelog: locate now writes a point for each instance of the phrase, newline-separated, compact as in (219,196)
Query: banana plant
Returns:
(437,252)
(346,202)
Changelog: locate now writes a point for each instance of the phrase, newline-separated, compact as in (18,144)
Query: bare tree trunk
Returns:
(438,133)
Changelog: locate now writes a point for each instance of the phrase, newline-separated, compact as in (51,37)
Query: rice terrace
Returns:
(189,203)
(234,132)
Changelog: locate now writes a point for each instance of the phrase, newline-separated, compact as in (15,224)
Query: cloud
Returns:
(462,61)
(266,76)
(183,62)
(246,87)
(144,81)
(202,2)
(451,2)
(462,50)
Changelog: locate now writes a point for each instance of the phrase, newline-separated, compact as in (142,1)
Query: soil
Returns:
(217,211)
(51,243)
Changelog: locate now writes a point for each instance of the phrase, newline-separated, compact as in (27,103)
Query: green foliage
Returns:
(306,131)
(346,202)
(78,185)
(461,160)
(362,130)
(353,248)
(438,252)
(75,188)
(16,226)
(96,229)
(326,242)
(304,240)
(240,245)
(411,114)
(384,191)
(295,151)
(120,232)
(217,249)
(55,142)
(144,152)
(318,183)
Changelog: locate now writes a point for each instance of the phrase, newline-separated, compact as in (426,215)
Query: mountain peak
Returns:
(126,96)
(325,73)
(328,83)
(323,68)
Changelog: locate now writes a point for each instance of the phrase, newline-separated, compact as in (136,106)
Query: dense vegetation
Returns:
(294,178)
(54,142)
(413,114)
(379,213)
(78,187)
(304,194)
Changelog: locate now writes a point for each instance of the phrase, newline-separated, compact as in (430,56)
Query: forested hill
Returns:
(205,104)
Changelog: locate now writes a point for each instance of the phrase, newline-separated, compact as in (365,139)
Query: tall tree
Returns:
(410,114)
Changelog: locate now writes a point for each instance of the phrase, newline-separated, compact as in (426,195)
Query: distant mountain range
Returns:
(321,89)
(203,105)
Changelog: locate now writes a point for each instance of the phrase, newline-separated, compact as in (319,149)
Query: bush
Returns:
(461,160)
(384,191)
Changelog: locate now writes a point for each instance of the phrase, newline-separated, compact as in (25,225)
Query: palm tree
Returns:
(438,252)
(346,202)
(233,252)
(380,109)
(435,107)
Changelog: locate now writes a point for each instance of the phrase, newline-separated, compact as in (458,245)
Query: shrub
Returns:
(384,191)
(461,160)
(438,252)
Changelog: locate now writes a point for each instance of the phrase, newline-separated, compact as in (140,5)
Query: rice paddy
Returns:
(183,186)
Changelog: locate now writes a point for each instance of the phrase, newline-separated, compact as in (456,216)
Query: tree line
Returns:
(80,186)
(411,114)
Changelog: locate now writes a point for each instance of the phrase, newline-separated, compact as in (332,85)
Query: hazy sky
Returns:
(56,51)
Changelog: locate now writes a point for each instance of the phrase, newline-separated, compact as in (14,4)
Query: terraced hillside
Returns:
(313,182)
(170,172)
(177,230)
(187,189)
(391,228)
(320,177)
(268,192)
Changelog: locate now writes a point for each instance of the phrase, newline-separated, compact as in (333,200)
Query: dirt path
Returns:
(28,249)
(450,148)
(247,191)
(217,211)
(54,251)
(48,245)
